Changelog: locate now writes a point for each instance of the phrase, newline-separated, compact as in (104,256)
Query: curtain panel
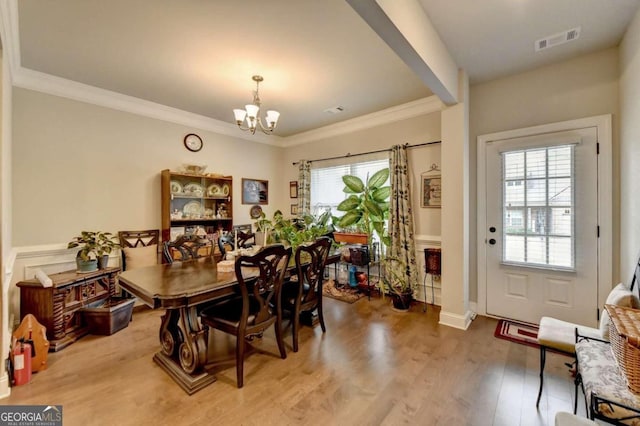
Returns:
(304,187)
(401,216)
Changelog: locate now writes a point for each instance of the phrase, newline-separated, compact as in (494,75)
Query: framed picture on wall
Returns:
(293,189)
(255,191)
(431,191)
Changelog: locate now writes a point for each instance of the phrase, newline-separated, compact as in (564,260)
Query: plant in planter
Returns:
(106,242)
(394,282)
(93,247)
(367,207)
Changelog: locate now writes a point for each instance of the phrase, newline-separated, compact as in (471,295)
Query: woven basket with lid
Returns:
(624,334)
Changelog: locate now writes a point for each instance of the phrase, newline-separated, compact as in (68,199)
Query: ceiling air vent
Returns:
(334,110)
(557,39)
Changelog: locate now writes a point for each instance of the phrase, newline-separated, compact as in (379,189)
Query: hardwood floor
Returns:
(373,366)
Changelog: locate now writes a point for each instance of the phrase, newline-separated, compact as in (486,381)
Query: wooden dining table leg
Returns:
(184,349)
(193,351)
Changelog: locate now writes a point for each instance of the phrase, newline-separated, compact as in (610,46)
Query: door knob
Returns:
(492,241)
(492,229)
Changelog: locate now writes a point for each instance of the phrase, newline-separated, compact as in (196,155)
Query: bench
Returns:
(606,394)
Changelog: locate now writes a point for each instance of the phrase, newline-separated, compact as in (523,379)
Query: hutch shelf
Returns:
(192,201)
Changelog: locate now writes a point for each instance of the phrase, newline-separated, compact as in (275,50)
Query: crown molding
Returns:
(50,84)
(385,116)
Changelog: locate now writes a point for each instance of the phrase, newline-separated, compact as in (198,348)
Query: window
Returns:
(538,207)
(327,185)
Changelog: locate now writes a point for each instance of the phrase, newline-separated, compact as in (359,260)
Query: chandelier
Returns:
(251,113)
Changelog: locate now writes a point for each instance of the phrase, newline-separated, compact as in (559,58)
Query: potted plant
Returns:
(393,281)
(106,242)
(293,232)
(93,247)
(367,207)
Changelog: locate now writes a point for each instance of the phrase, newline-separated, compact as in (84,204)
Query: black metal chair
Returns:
(304,294)
(258,305)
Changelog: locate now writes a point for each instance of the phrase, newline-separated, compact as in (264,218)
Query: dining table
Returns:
(181,288)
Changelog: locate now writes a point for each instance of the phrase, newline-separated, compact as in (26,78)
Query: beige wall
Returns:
(630,149)
(78,166)
(415,130)
(580,87)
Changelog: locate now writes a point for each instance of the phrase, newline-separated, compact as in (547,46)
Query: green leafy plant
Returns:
(293,232)
(367,206)
(93,244)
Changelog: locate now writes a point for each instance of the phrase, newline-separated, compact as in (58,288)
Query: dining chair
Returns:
(304,294)
(245,239)
(258,305)
(226,242)
(187,247)
(139,248)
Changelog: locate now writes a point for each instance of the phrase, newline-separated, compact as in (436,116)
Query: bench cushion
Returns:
(602,380)
(561,335)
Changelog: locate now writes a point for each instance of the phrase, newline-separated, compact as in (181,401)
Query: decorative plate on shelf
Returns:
(214,190)
(193,189)
(176,187)
(255,212)
(192,210)
(225,189)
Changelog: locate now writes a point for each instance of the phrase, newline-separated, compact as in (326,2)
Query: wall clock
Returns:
(193,142)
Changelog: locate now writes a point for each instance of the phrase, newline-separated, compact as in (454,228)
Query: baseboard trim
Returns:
(455,320)
(5,389)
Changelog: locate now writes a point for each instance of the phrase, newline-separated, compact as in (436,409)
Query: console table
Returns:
(56,307)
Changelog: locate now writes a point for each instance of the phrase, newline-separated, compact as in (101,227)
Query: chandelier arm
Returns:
(247,129)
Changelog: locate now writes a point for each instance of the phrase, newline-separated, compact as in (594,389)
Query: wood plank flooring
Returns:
(373,366)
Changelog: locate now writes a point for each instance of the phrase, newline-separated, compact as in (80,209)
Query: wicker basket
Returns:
(624,334)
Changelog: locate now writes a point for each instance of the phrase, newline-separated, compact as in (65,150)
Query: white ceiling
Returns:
(199,56)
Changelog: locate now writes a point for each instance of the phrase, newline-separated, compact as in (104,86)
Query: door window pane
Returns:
(514,248)
(538,208)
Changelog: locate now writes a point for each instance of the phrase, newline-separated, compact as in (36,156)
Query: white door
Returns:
(542,227)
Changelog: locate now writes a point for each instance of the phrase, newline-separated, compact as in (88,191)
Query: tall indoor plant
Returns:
(366,209)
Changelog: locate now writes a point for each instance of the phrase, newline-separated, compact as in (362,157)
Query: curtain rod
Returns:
(347,155)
